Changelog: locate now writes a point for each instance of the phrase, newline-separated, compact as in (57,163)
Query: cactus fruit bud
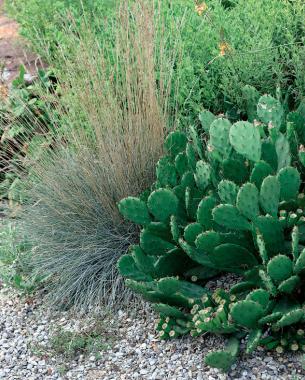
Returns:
(279,349)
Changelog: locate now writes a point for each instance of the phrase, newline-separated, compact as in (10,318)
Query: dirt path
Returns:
(13,52)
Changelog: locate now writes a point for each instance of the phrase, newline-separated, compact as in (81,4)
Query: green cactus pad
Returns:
(283,152)
(191,156)
(270,318)
(279,268)
(143,262)
(295,239)
(129,269)
(247,313)
(202,175)
(267,282)
(260,171)
(253,340)
(272,232)
(300,263)
(192,200)
(153,244)
(270,195)
(207,241)
(294,316)
(290,182)
(169,311)
(269,154)
(219,137)
(162,203)
(192,231)
(166,172)
(232,257)
(173,263)
(262,248)
(245,138)
(223,360)
(172,285)
(195,255)
(269,110)
(228,216)
(206,118)
(174,228)
(181,163)
(259,295)
(175,143)
(134,210)
(289,285)
(242,287)
(247,201)
(204,211)
(235,170)
(188,180)
(227,191)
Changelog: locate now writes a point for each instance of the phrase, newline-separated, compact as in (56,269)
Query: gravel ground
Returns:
(134,352)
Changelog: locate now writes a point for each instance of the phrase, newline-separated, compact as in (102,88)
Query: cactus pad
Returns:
(175,143)
(235,170)
(223,360)
(260,171)
(192,231)
(162,203)
(289,285)
(245,138)
(227,191)
(232,257)
(229,217)
(219,137)
(260,296)
(206,118)
(279,268)
(290,181)
(270,195)
(247,313)
(270,110)
(134,210)
(202,175)
(207,241)
(204,211)
(283,152)
(253,340)
(166,172)
(247,201)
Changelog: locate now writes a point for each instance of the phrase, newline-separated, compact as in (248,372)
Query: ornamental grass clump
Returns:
(230,201)
(111,118)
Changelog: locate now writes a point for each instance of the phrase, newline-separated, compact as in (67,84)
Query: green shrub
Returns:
(227,202)
(25,130)
(230,45)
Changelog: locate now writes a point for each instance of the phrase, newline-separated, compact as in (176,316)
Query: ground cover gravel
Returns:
(131,351)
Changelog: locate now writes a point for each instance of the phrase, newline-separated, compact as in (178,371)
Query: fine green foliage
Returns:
(258,235)
(16,266)
(224,50)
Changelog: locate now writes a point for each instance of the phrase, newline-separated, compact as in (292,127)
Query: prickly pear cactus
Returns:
(228,201)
